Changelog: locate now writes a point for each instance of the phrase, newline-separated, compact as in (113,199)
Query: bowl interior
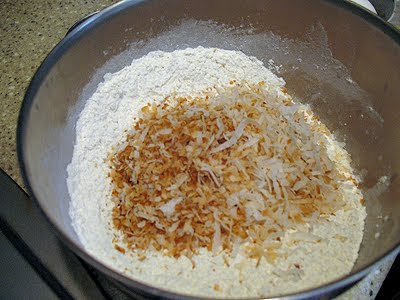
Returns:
(344,62)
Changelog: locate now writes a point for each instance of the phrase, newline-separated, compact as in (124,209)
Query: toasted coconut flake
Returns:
(169,207)
(235,136)
(119,248)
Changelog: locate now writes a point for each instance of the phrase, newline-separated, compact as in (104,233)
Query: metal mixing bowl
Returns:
(339,58)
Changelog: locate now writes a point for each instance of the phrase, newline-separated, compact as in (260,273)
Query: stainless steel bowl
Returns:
(338,57)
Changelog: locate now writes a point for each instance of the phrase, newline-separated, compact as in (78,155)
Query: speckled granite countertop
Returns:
(28,31)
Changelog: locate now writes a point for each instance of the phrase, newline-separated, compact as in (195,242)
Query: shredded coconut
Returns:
(319,249)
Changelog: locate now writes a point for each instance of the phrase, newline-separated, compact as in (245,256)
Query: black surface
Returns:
(18,280)
(44,268)
(390,289)
(17,260)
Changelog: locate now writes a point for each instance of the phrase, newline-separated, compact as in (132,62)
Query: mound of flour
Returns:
(103,123)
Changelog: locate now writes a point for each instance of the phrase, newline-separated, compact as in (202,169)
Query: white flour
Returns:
(102,124)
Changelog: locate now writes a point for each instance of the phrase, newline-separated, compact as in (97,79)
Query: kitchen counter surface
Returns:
(28,31)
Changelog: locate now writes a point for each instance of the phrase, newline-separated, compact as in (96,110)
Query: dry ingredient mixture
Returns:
(195,170)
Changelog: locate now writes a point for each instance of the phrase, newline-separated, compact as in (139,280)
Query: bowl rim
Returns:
(144,289)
